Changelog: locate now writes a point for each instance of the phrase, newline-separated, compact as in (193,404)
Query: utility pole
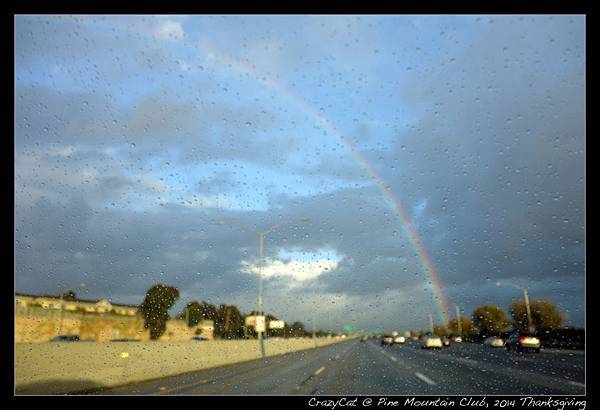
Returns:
(431,323)
(187,316)
(458,321)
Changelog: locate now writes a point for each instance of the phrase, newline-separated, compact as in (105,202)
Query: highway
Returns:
(367,368)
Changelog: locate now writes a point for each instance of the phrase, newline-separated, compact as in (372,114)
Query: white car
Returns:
(494,342)
(457,339)
(432,342)
(387,340)
(399,340)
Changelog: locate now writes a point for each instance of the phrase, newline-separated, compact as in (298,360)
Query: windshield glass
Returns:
(295,192)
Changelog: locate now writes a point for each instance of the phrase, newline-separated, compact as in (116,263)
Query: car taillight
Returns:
(521,338)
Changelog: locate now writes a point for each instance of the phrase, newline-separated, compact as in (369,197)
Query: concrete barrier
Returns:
(59,368)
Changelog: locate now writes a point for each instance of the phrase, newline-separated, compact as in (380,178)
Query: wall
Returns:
(54,368)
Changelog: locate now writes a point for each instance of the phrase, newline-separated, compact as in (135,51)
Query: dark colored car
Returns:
(66,338)
(199,339)
(125,340)
(523,342)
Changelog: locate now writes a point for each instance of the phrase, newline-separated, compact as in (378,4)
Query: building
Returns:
(24,301)
(39,318)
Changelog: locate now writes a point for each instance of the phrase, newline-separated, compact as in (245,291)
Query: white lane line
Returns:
(320,370)
(425,378)
(577,384)
(389,356)
(467,361)
(566,352)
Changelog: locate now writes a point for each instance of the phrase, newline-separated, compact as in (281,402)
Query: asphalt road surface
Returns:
(367,368)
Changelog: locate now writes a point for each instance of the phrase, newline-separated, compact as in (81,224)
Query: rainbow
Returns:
(424,260)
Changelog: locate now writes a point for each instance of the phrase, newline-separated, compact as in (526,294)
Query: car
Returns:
(66,338)
(494,341)
(431,342)
(523,342)
(445,341)
(387,340)
(124,340)
(457,339)
(202,339)
(399,340)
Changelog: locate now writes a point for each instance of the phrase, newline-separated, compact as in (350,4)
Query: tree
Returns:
(466,325)
(545,315)
(209,311)
(490,320)
(229,323)
(194,313)
(155,308)
(69,295)
(296,330)
(440,330)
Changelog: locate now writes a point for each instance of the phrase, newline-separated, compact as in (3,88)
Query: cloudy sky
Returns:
(378,143)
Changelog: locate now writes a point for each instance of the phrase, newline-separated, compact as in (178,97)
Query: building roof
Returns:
(76,300)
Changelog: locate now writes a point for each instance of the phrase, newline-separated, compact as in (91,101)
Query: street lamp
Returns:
(527,306)
(261,245)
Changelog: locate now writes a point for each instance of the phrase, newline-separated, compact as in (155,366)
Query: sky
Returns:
(409,164)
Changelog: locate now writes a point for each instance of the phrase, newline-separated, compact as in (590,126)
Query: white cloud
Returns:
(298,270)
(170,30)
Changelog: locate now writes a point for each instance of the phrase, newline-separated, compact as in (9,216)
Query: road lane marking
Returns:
(523,375)
(319,371)
(468,361)
(565,352)
(393,358)
(425,378)
(577,384)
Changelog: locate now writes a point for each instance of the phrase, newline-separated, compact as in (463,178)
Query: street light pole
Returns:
(458,321)
(527,305)
(529,321)
(261,247)
(431,323)
(60,318)
(314,327)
